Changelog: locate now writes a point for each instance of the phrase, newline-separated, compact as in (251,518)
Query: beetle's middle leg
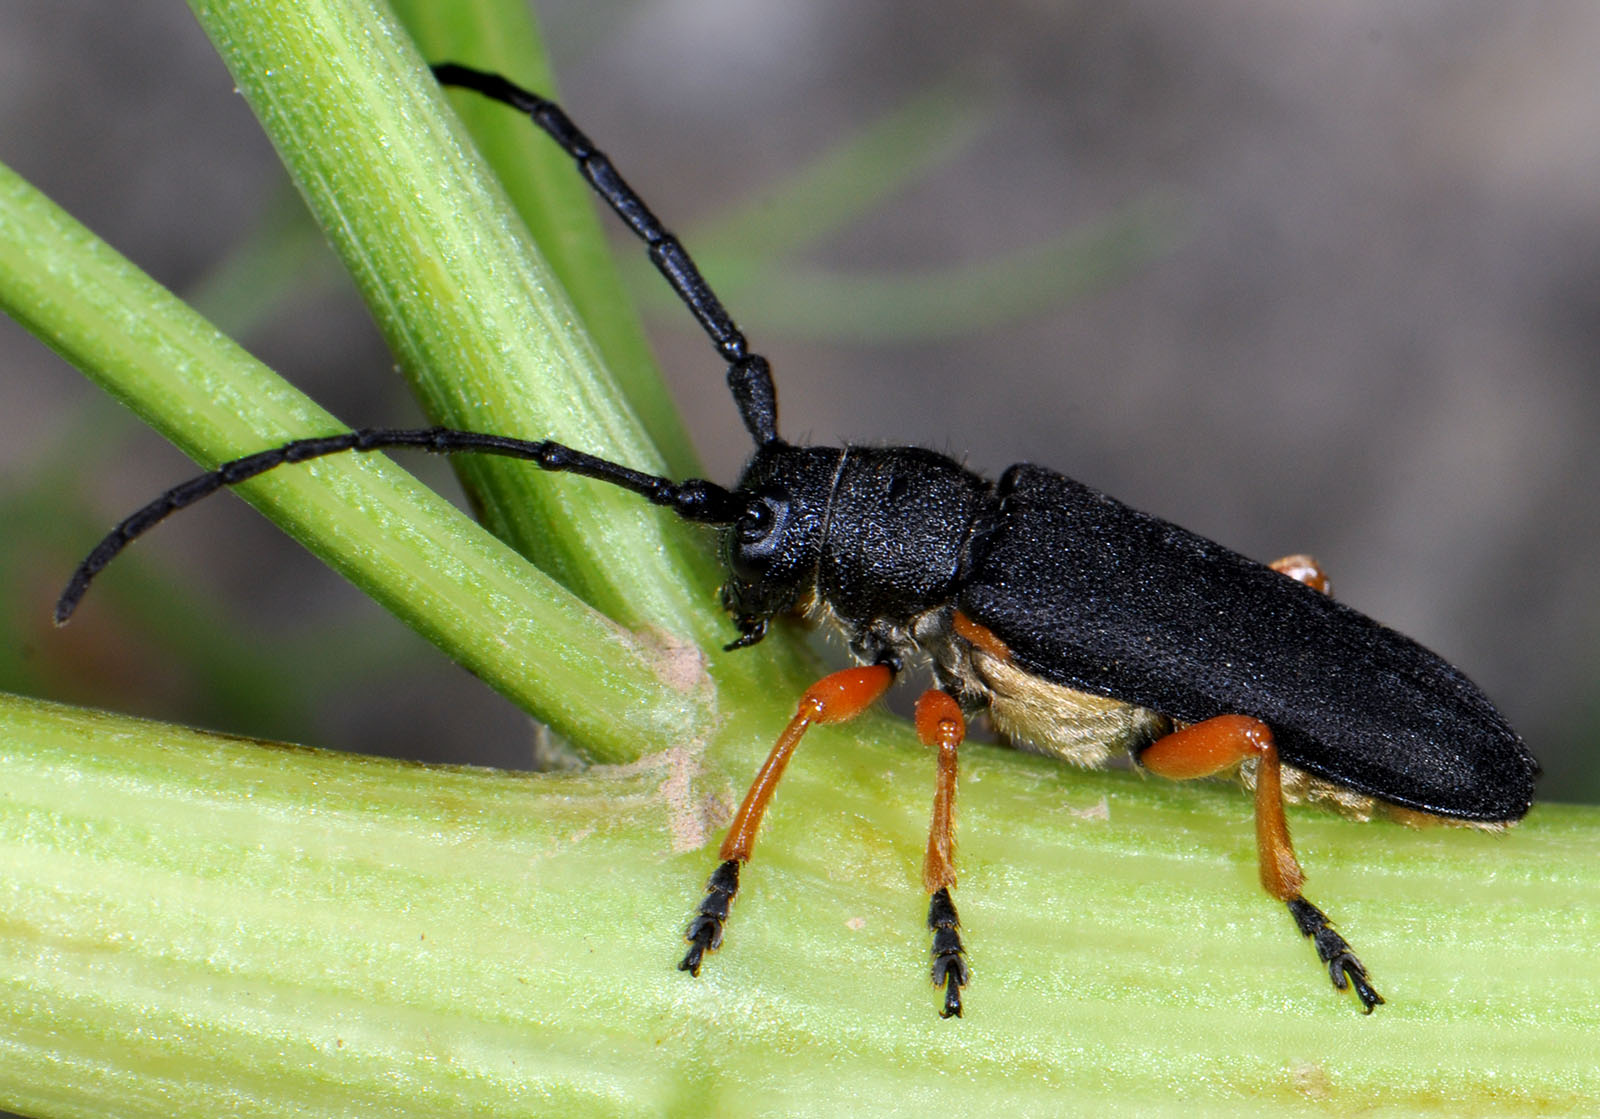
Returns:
(1207,748)
(940,724)
(835,698)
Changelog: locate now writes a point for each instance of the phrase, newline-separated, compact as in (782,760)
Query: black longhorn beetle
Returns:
(1079,625)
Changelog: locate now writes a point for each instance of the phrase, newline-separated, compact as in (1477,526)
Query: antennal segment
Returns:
(694,500)
(749,374)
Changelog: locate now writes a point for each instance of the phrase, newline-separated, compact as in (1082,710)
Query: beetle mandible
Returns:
(1077,624)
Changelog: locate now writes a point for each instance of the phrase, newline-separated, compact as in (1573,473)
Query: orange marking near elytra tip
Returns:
(1304,569)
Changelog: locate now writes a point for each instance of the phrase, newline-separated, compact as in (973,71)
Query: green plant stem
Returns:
(466,302)
(408,547)
(200,926)
(555,203)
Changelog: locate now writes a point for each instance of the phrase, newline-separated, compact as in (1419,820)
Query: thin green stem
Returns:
(407,546)
(466,302)
(554,203)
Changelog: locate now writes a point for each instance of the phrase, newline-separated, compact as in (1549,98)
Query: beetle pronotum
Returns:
(1074,622)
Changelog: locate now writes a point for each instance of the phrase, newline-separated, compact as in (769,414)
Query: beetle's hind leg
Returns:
(941,725)
(1210,747)
(836,698)
(1312,921)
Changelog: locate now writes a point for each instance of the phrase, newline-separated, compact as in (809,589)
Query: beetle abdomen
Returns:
(1089,593)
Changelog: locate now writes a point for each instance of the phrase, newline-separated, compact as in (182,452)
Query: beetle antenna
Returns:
(694,500)
(749,374)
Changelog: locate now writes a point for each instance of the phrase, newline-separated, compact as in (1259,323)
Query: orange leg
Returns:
(836,698)
(940,724)
(1213,745)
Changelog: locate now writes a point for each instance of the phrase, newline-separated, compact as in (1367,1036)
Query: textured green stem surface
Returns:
(202,926)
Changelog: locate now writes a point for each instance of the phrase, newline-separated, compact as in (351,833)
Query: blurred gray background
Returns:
(1367,325)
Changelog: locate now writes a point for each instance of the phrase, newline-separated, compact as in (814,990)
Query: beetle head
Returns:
(771,552)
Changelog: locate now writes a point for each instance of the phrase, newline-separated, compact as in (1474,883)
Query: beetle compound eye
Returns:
(759,535)
(762,523)
(755,523)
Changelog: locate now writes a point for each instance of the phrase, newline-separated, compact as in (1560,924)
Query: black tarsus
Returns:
(694,500)
(749,374)
(705,931)
(1343,968)
(751,632)
(949,968)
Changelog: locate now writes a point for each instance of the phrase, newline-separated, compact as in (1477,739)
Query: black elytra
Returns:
(1136,607)
(1038,593)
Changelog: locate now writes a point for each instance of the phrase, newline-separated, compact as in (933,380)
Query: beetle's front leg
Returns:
(1213,745)
(940,724)
(833,699)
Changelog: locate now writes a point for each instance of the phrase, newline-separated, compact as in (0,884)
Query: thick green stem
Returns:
(205,926)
